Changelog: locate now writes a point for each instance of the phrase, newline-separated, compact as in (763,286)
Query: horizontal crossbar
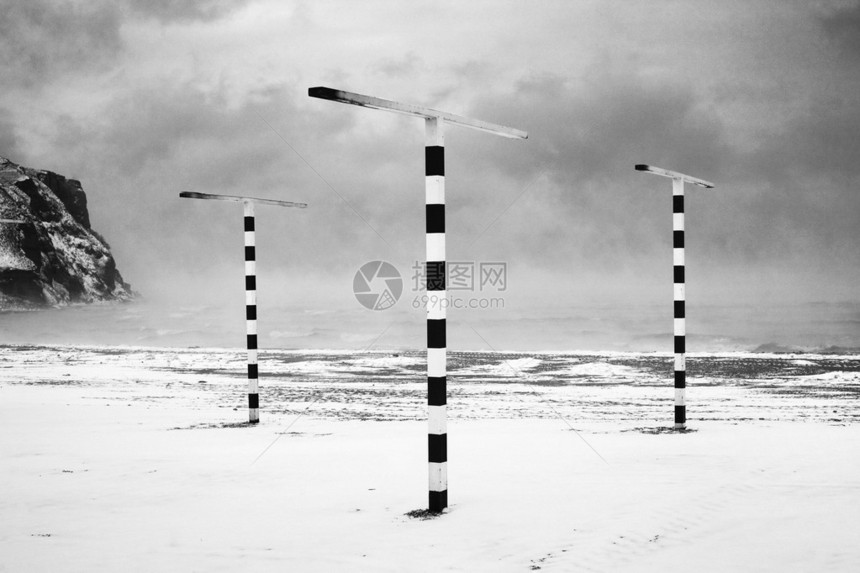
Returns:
(11,221)
(416,110)
(674,175)
(238,199)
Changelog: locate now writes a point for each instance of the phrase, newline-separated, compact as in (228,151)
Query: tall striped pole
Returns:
(437,301)
(250,287)
(251,313)
(437,439)
(679,283)
(680,327)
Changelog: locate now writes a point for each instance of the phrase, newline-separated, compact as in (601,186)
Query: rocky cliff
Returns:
(49,254)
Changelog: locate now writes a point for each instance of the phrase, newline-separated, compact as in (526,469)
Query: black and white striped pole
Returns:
(437,298)
(250,287)
(680,297)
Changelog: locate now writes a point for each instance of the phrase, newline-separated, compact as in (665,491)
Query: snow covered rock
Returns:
(51,256)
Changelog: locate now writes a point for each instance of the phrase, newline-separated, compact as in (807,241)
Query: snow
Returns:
(834,377)
(504,368)
(136,459)
(597,370)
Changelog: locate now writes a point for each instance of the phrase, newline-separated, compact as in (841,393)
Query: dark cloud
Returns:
(41,38)
(180,122)
(577,203)
(804,183)
(803,177)
(275,143)
(185,10)
(576,196)
(842,28)
(589,128)
(820,142)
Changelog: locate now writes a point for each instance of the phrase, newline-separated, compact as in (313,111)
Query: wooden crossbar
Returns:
(674,175)
(415,110)
(239,199)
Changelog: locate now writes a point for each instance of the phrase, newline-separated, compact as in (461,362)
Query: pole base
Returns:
(438,501)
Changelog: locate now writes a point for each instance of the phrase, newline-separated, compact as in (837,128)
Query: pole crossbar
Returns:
(674,175)
(239,199)
(11,221)
(414,110)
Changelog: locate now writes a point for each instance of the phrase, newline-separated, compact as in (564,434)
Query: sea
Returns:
(822,327)
(584,364)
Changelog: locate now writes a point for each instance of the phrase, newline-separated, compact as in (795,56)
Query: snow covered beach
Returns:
(138,459)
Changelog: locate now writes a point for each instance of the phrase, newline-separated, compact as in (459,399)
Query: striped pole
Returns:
(679,284)
(251,313)
(434,156)
(680,327)
(250,287)
(437,439)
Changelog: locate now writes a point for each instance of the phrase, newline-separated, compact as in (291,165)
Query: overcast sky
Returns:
(141,99)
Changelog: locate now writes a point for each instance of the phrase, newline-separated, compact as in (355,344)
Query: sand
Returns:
(131,459)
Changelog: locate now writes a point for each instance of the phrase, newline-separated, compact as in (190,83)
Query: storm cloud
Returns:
(41,39)
(141,100)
